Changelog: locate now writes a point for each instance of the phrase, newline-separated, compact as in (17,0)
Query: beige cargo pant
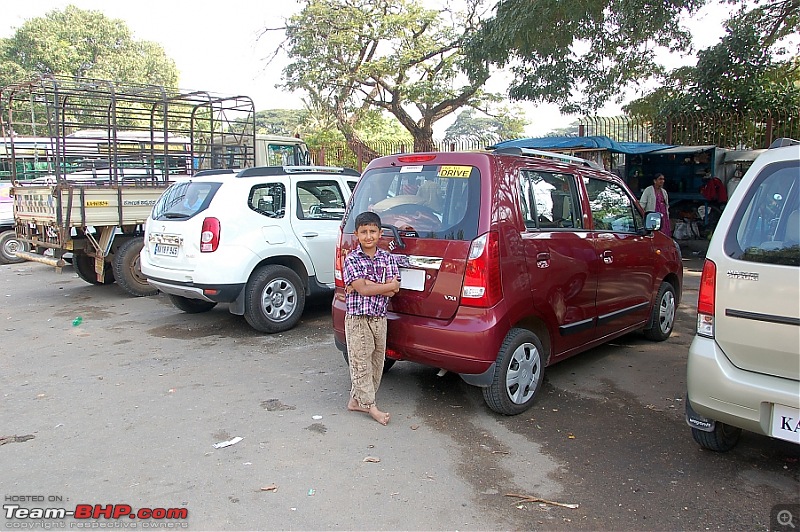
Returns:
(366,351)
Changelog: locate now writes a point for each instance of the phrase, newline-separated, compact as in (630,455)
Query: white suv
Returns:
(261,239)
(744,362)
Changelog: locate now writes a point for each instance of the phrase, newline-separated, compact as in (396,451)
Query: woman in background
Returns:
(656,199)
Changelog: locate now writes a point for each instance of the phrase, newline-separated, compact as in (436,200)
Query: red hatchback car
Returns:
(511,261)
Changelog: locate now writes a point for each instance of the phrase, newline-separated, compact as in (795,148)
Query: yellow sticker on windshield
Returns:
(454,171)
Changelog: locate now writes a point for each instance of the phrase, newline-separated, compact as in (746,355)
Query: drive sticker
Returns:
(99,203)
(454,171)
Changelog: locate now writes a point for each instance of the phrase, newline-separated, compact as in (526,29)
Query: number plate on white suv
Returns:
(165,249)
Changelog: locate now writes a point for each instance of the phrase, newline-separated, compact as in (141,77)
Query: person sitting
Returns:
(430,195)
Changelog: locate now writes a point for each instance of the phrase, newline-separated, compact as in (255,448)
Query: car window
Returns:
(431,201)
(268,199)
(766,226)
(612,207)
(320,200)
(184,200)
(548,200)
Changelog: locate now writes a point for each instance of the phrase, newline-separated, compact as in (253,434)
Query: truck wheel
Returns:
(663,314)
(191,306)
(518,375)
(84,266)
(127,271)
(274,299)
(387,362)
(9,245)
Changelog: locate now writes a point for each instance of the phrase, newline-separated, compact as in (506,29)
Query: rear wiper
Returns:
(174,215)
(395,233)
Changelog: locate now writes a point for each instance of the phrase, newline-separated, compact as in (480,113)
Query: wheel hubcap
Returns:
(279,299)
(666,314)
(523,373)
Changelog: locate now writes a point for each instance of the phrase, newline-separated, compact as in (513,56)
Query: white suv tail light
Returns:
(209,237)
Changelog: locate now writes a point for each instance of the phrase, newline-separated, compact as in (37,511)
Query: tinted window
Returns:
(549,200)
(268,199)
(184,200)
(612,207)
(431,201)
(766,226)
(319,200)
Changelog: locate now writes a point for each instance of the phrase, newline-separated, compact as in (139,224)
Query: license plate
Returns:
(166,249)
(785,424)
(412,279)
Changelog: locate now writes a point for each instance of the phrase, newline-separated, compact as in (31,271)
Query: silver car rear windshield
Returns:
(431,201)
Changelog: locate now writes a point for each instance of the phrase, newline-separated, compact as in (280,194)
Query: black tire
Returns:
(518,376)
(387,362)
(722,439)
(83,265)
(663,314)
(127,269)
(274,299)
(9,245)
(191,306)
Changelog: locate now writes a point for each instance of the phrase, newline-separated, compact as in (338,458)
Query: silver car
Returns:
(744,363)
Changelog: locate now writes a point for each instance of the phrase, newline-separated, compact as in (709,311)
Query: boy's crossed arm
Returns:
(365,287)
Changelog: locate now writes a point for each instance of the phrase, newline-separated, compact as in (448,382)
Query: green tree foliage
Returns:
(280,121)
(749,71)
(580,54)
(508,124)
(83,44)
(353,56)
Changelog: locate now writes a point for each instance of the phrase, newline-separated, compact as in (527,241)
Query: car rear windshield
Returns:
(183,200)
(766,227)
(431,201)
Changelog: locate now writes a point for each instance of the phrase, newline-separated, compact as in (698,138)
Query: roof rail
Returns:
(549,155)
(784,141)
(282,170)
(216,171)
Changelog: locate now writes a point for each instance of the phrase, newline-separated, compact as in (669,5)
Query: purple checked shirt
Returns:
(358,265)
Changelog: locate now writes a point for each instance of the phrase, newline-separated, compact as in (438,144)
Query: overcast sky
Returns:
(217,49)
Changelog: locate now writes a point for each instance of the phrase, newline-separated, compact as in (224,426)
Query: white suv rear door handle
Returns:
(309,234)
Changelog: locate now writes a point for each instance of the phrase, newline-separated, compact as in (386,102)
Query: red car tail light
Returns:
(209,237)
(482,283)
(706,300)
(338,264)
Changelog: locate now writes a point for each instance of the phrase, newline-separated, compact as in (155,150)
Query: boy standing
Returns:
(371,276)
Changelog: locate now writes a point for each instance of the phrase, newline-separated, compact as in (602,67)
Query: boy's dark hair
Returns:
(367,218)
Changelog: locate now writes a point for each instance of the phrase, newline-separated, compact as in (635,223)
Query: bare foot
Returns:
(377,415)
(353,406)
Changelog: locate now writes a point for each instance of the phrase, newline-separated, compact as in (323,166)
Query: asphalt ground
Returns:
(123,409)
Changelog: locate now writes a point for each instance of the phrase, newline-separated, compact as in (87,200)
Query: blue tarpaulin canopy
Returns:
(571,143)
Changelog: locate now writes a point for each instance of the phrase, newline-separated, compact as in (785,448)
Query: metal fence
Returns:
(725,130)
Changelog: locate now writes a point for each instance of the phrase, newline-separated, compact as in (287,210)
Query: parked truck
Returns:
(110,150)
(9,243)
